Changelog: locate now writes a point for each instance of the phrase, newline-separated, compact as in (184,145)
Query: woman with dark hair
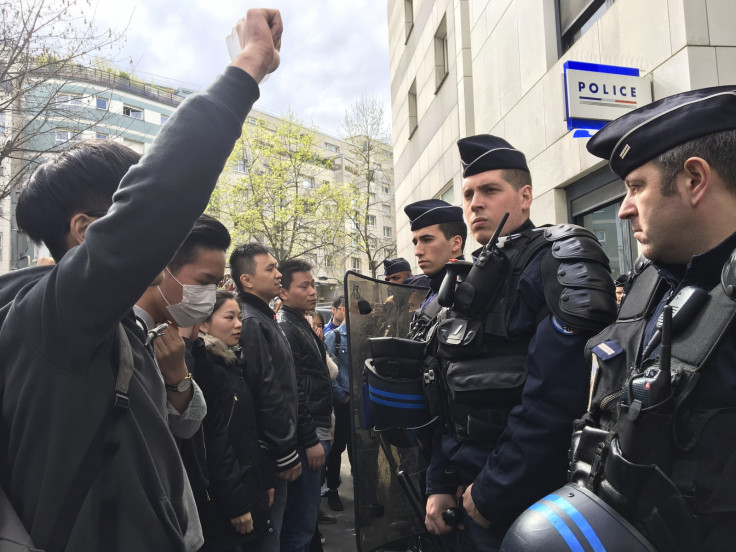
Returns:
(235,508)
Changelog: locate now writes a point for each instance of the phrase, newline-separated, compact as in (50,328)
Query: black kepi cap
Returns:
(641,135)
(432,211)
(392,266)
(484,152)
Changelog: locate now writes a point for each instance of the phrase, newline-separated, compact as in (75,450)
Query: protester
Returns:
(83,476)
(299,296)
(270,371)
(336,342)
(338,315)
(234,510)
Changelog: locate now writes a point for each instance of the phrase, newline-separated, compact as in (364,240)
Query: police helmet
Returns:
(573,518)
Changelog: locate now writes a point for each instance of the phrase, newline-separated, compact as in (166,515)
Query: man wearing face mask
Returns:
(185,298)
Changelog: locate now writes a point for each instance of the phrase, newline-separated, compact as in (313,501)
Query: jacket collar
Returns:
(257,303)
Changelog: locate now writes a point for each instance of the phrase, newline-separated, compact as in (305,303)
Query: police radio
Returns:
(475,295)
(654,386)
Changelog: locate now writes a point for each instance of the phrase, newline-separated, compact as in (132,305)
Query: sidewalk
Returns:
(341,535)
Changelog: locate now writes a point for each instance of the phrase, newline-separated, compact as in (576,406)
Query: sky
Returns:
(333,51)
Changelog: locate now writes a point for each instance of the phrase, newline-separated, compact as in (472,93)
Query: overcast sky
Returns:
(333,51)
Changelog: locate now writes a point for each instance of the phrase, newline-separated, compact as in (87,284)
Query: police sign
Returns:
(596,94)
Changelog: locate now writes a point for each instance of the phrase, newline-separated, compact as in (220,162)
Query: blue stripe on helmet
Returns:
(579,520)
(572,541)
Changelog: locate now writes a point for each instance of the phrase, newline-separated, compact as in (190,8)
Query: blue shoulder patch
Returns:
(607,349)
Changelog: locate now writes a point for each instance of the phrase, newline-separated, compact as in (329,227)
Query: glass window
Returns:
(412,102)
(614,234)
(332,147)
(67,137)
(447,193)
(355,264)
(577,16)
(441,57)
(408,17)
(371,220)
(240,166)
(164,118)
(102,104)
(308,182)
(386,231)
(133,112)
(100,136)
(69,101)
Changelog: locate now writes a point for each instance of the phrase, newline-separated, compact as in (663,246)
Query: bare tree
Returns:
(371,166)
(44,45)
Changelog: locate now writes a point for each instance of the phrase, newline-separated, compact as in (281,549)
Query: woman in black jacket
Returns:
(235,509)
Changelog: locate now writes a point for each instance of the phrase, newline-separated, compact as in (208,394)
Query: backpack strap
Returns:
(101,449)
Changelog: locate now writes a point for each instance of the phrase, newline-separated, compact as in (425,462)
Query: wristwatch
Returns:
(182,386)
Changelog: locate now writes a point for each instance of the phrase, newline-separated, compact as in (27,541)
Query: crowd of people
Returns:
(143,408)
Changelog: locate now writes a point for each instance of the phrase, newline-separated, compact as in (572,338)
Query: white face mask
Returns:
(197,303)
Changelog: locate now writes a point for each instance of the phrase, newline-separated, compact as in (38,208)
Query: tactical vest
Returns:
(481,369)
(654,461)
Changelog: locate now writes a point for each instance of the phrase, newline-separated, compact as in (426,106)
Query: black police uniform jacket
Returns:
(698,452)
(59,341)
(271,379)
(312,376)
(529,458)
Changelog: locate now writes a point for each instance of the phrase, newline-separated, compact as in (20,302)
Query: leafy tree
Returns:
(367,133)
(44,44)
(278,192)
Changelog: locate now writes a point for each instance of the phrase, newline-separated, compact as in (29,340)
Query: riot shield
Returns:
(392,429)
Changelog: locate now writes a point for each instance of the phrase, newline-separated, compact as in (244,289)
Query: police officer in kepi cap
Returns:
(659,441)
(396,270)
(438,235)
(513,391)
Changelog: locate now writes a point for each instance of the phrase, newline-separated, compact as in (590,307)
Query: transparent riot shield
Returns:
(392,429)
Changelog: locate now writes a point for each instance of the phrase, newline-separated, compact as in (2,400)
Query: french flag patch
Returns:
(607,349)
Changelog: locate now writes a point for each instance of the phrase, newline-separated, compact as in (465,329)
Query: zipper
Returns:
(235,401)
(608,399)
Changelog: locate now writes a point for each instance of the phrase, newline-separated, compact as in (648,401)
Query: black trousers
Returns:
(343,430)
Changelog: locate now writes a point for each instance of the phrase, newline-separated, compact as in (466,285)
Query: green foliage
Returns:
(274,192)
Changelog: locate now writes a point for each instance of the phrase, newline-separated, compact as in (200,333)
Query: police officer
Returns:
(509,442)
(659,442)
(438,234)
(396,270)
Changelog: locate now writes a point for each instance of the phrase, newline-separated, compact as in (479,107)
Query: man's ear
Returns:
(697,171)
(245,281)
(78,227)
(525,193)
(457,245)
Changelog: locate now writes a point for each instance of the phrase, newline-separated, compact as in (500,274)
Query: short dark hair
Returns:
(220,298)
(242,260)
(337,303)
(717,149)
(289,267)
(518,178)
(455,228)
(81,179)
(207,233)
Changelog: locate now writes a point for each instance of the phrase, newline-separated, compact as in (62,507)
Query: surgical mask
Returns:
(197,303)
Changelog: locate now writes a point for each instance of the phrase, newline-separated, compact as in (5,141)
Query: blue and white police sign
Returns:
(596,94)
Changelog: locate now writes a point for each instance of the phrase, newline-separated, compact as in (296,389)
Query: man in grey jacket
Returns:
(111,233)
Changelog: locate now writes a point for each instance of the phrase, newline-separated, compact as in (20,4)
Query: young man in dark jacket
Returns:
(269,371)
(299,297)
(60,336)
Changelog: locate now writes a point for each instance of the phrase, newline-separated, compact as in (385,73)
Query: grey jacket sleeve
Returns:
(153,210)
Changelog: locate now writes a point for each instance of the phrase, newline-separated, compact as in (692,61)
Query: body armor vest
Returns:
(658,459)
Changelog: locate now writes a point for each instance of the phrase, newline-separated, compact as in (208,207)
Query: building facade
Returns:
(463,67)
(73,104)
